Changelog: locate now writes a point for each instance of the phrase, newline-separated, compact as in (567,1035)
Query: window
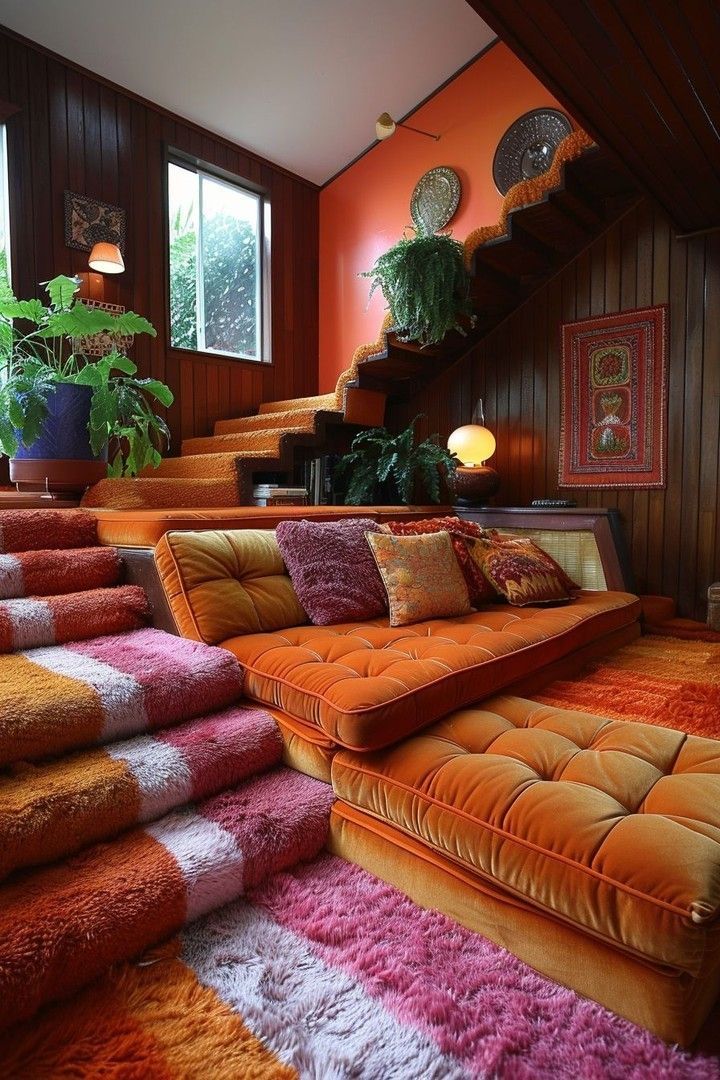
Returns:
(218,264)
(4,209)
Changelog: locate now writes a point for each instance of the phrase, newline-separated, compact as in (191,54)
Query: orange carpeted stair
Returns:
(544,223)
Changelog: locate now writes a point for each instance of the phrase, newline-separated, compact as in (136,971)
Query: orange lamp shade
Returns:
(472,443)
(106,259)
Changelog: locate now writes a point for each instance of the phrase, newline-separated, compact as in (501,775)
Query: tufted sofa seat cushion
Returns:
(610,826)
(367,685)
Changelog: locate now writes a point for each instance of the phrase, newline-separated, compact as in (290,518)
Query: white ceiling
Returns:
(300,82)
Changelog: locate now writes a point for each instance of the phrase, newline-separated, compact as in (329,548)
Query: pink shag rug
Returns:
(325,972)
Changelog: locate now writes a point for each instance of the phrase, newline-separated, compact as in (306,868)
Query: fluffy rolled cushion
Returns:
(521,572)
(527,546)
(479,588)
(421,575)
(332,569)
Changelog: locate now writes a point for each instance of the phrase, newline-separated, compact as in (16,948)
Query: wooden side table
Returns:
(605,525)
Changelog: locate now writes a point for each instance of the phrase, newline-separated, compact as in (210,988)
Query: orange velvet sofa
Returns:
(590,848)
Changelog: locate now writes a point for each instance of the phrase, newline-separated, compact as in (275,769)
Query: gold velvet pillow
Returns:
(521,571)
(421,576)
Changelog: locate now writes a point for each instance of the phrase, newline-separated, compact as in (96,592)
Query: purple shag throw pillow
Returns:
(332,569)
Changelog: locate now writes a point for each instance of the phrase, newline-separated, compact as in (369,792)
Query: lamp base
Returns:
(475,484)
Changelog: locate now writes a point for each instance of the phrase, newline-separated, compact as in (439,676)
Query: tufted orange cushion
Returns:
(223,583)
(611,826)
(421,575)
(367,685)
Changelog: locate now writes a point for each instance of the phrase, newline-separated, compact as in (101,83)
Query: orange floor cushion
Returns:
(364,685)
(612,827)
(368,685)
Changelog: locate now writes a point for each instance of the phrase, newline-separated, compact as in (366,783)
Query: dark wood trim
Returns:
(429,97)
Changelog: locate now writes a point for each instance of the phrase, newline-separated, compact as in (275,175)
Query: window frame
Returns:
(173,156)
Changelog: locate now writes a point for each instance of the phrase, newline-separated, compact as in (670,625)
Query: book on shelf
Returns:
(275,495)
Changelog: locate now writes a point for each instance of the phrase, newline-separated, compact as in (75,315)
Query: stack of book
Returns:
(274,495)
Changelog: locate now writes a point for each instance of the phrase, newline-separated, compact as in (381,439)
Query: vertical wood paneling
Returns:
(672,533)
(78,132)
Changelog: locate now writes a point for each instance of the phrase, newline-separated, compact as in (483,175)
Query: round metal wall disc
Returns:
(528,147)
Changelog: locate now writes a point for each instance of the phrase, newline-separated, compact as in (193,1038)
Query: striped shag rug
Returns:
(325,972)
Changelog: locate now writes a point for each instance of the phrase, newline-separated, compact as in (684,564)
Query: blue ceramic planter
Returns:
(65,431)
(61,459)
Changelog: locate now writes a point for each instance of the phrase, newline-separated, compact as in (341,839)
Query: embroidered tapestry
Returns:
(614,372)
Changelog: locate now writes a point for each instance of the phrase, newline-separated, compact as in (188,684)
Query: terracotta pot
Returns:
(61,459)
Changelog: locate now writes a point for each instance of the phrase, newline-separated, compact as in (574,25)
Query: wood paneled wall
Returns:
(76,132)
(673,533)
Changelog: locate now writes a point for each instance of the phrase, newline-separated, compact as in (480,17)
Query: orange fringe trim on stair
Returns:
(529,191)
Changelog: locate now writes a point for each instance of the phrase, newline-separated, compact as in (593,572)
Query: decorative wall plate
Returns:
(435,199)
(528,147)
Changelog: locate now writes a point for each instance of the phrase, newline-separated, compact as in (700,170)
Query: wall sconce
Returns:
(106,259)
(385,126)
(474,444)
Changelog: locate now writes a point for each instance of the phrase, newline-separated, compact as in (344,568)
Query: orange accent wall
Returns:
(363,212)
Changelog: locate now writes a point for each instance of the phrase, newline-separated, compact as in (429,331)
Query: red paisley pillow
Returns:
(479,588)
(521,572)
(528,546)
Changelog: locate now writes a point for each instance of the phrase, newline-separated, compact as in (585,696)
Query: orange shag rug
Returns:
(666,681)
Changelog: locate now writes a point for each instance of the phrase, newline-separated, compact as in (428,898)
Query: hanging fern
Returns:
(426,286)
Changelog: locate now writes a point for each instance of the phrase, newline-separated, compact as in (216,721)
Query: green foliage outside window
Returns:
(230,288)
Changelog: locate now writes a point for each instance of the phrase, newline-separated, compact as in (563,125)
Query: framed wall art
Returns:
(89,221)
(614,400)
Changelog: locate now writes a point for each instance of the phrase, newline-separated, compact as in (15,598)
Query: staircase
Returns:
(544,224)
(217,470)
(137,791)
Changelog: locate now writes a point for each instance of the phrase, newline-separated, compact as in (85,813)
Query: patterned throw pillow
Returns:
(528,546)
(521,572)
(479,588)
(421,576)
(332,569)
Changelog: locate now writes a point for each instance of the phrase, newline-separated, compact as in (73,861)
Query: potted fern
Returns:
(379,462)
(60,411)
(426,285)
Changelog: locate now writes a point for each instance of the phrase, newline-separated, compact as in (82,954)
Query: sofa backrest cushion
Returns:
(221,584)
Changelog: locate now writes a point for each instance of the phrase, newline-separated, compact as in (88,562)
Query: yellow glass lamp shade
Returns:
(472,443)
(106,259)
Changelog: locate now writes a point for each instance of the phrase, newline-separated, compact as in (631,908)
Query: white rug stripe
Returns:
(121,697)
(210,860)
(161,773)
(32,621)
(11,577)
(313,1017)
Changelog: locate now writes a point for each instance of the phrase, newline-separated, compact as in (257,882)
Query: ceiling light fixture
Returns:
(385,127)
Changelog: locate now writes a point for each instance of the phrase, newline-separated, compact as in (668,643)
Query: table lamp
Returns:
(473,444)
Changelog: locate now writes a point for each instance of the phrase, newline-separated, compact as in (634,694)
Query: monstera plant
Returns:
(61,411)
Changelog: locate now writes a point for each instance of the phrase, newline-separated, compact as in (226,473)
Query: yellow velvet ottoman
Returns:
(588,847)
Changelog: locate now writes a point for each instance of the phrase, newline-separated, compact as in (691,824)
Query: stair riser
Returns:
(63,926)
(59,808)
(66,697)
